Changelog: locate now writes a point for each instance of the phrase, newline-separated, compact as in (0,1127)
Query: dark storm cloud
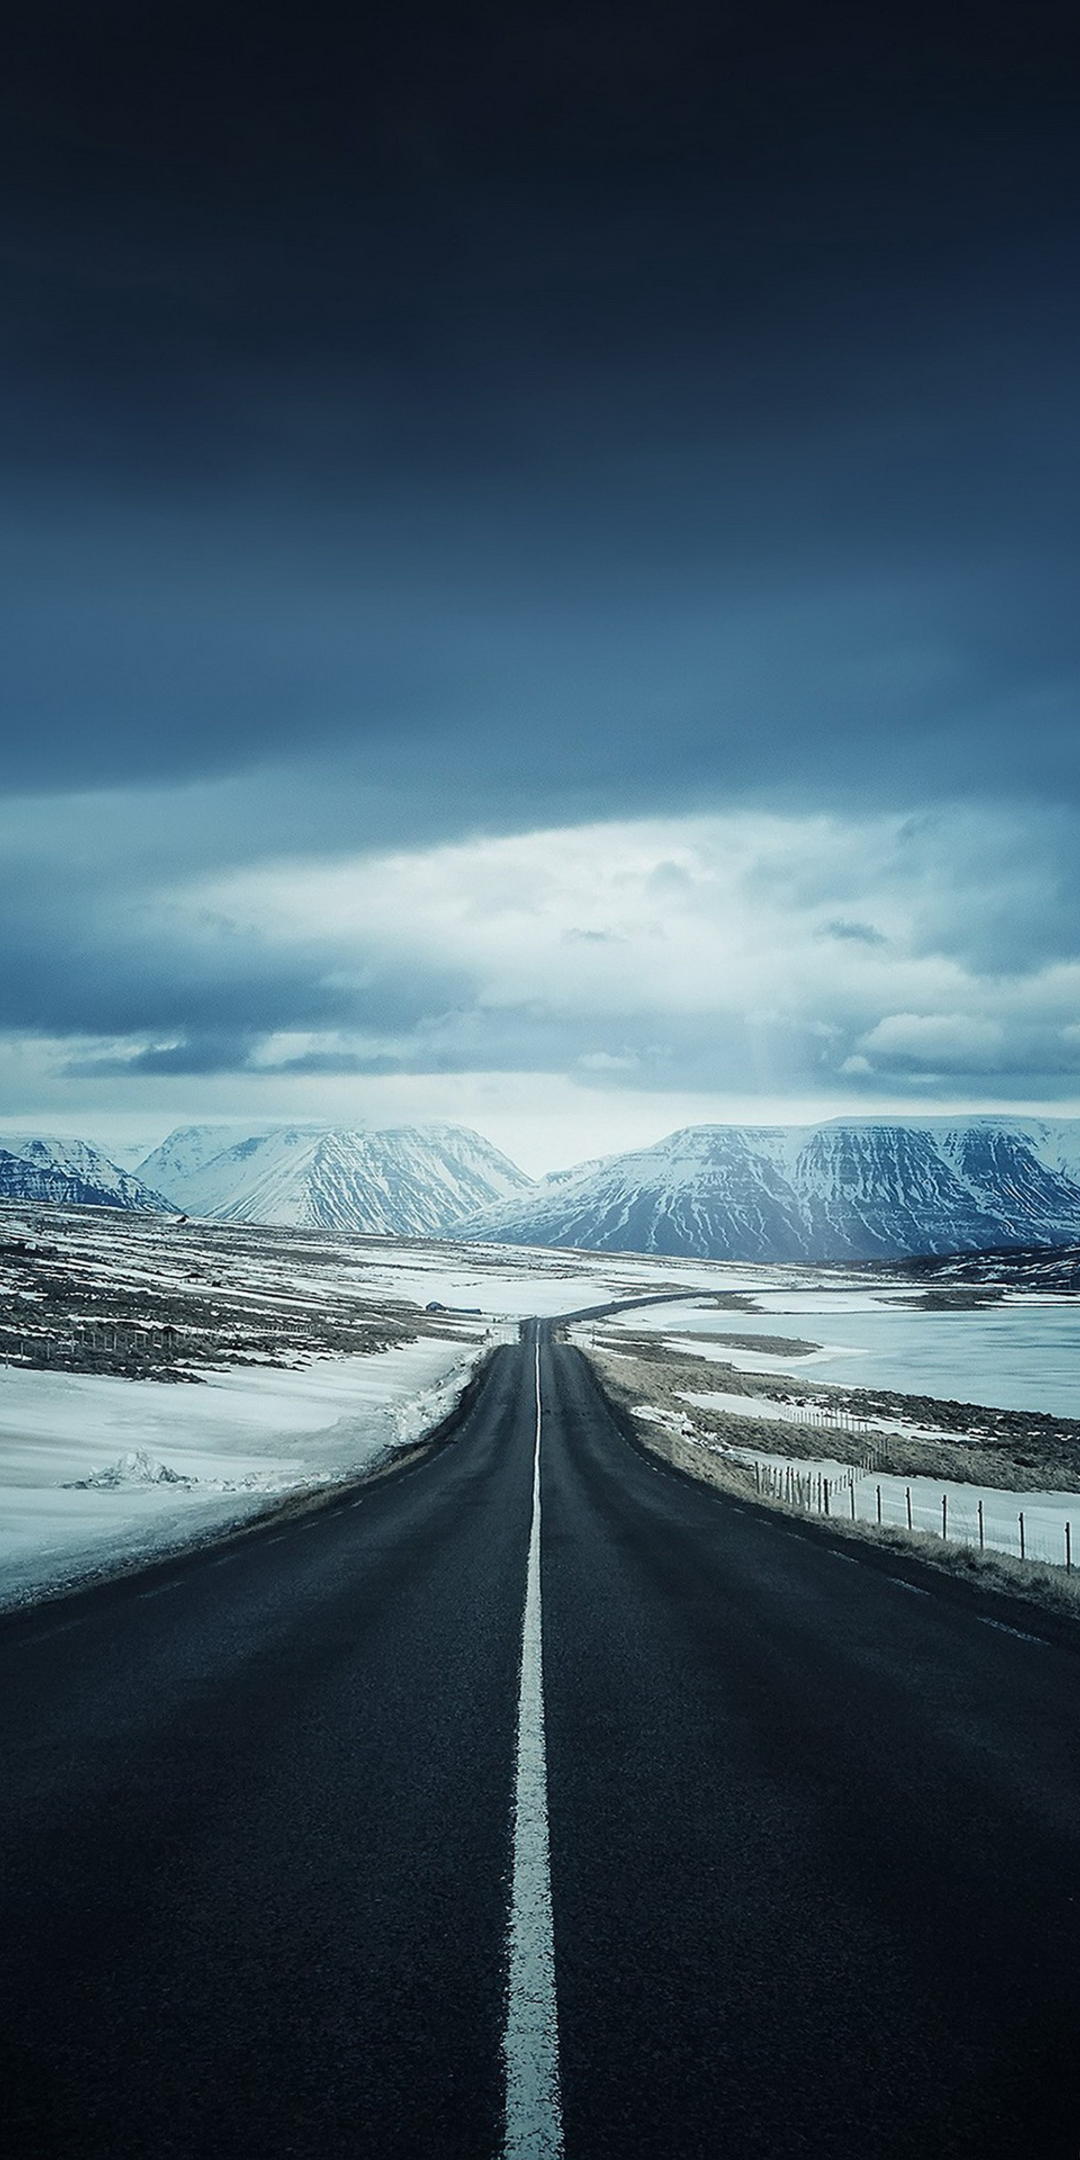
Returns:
(532,416)
(227,1052)
(86,956)
(424,423)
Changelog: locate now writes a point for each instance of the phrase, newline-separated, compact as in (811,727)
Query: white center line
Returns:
(902,1585)
(1020,1633)
(64,1628)
(531,2034)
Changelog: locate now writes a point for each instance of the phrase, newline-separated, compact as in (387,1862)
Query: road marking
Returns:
(531,2034)
(64,1628)
(902,1585)
(1019,1632)
(160,1590)
(224,1559)
(848,1559)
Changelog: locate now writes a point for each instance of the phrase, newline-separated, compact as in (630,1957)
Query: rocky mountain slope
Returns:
(47,1167)
(852,1189)
(404,1181)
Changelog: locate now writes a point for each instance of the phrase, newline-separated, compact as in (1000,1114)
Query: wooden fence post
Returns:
(1021,1522)
(907,1492)
(945,1516)
(982,1529)
(1068,1548)
(879,1503)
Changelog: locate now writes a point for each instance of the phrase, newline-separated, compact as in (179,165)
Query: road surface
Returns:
(698,1836)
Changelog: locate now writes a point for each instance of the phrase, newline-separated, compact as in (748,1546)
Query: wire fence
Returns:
(117,1337)
(870,1451)
(1037,1531)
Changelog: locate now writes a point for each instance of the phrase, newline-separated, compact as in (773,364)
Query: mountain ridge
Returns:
(72,1173)
(846,1189)
(403,1180)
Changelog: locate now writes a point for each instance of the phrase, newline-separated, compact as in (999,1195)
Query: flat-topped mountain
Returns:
(851,1189)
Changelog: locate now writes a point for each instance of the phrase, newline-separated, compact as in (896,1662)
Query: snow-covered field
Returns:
(314,1357)
(774,1411)
(1020,1354)
(526,1281)
(97,1470)
(1045,1514)
(301,1272)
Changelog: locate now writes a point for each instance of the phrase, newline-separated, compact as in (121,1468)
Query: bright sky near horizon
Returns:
(541,567)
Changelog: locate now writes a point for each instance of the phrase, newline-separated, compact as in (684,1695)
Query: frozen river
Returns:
(1014,1356)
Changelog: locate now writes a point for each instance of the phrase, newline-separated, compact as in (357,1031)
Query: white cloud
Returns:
(726,961)
(721,915)
(949,1040)
(730,919)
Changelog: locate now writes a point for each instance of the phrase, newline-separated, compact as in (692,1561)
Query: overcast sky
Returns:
(540,564)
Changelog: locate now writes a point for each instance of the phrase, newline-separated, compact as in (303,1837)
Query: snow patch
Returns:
(134,1468)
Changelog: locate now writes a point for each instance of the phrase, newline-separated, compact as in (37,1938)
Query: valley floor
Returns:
(161,1384)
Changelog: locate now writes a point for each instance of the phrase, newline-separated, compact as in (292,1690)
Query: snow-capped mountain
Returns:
(72,1172)
(852,1189)
(404,1181)
(189,1149)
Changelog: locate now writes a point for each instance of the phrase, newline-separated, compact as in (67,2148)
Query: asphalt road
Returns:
(814,1831)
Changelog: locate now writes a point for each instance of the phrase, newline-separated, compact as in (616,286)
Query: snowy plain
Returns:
(774,1410)
(1020,1354)
(175,1463)
(1045,1514)
(99,1470)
